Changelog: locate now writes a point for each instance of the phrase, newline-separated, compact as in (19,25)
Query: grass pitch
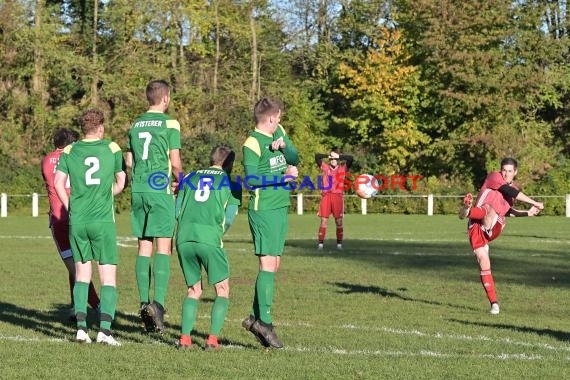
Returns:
(402,300)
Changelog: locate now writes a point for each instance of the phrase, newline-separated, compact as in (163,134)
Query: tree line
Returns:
(443,89)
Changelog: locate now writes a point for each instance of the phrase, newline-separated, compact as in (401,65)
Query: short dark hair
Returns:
(156,90)
(91,120)
(63,137)
(222,155)
(266,107)
(509,161)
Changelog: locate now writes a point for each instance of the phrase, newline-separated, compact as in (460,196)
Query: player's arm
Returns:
(119,184)
(319,157)
(233,204)
(59,184)
(526,199)
(175,161)
(284,143)
(533,211)
(129,160)
(512,192)
(231,212)
(176,164)
(347,158)
(290,152)
(254,179)
(119,167)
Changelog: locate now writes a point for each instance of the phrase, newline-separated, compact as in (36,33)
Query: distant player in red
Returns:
(487,218)
(58,217)
(332,193)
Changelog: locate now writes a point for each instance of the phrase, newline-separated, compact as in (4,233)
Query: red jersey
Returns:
(57,212)
(490,195)
(332,178)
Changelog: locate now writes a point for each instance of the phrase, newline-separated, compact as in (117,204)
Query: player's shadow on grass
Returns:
(557,334)
(346,288)
(445,259)
(53,323)
(56,323)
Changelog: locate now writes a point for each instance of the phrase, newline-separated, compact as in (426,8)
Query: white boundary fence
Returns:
(299,196)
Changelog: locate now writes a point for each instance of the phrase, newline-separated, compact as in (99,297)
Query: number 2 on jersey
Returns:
(93,162)
(147,137)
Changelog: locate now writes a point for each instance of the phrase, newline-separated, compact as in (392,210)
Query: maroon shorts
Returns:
(332,204)
(479,237)
(60,233)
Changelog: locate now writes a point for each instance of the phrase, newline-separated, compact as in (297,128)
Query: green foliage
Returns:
(383,96)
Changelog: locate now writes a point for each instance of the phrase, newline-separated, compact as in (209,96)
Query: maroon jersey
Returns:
(490,195)
(332,178)
(57,212)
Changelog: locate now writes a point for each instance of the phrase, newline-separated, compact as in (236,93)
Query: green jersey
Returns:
(268,191)
(91,166)
(151,137)
(204,196)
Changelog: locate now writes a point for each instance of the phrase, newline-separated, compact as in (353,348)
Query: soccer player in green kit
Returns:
(95,169)
(207,205)
(153,153)
(269,159)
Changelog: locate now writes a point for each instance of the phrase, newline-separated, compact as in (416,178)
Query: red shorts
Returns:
(479,237)
(331,203)
(60,233)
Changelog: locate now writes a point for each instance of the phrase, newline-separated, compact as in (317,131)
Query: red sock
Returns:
(93,299)
(477,212)
(322,233)
(489,285)
(339,233)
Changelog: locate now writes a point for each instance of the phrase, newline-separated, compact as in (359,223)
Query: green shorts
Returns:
(192,255)
(94,241)
(152,215)
(269,230)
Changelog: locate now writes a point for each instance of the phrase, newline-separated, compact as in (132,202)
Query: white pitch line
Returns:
(328,350)
(397,331)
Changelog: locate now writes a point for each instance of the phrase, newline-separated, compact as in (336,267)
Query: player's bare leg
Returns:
(322,233)
(339,233)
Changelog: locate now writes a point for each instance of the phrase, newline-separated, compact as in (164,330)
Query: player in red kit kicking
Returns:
(487,218)
(58,217)
(332,193)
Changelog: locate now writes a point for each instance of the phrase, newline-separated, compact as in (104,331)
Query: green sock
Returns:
(80,293)
(219,312)
(189,311)
(255,306)
(142,270)
(264,289)
(161,276)
(108,306)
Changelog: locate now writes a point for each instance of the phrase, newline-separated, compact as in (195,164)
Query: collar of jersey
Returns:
(90,140)
(263,133)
